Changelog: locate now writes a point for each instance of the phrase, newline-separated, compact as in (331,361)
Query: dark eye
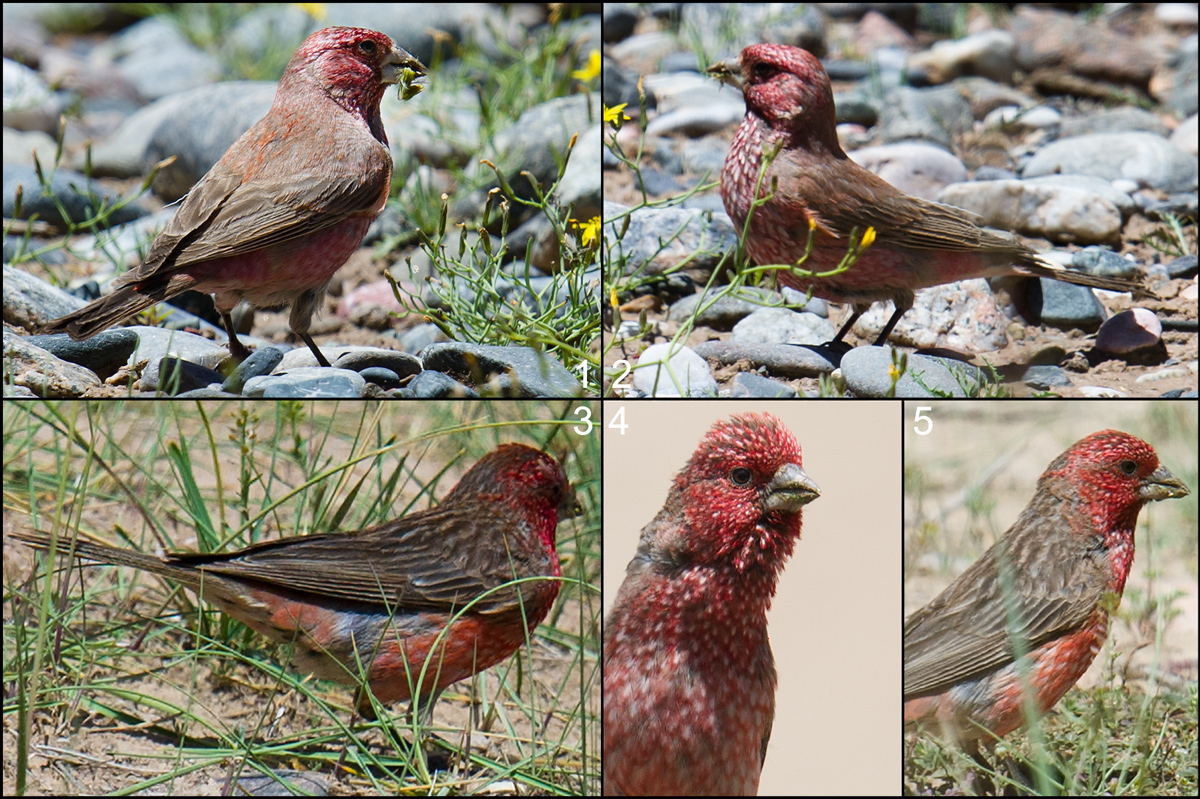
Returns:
(1129,467)
(367,46)
(740,476)
(764,71)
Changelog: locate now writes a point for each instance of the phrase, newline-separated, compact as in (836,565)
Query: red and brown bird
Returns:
(287,204)
(813,188)
(689,678)
(420,602)
(1041,589)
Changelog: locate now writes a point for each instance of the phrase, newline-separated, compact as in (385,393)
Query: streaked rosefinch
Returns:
(1069,549)
(689,678)
(387,596)
(917,244)
(286,205)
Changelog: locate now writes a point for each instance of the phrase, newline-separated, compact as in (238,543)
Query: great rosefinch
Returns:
(1069,549)
(689,679)
(386,596)
(917,244)
(286,205)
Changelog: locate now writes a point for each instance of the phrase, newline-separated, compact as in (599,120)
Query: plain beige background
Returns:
(836,623)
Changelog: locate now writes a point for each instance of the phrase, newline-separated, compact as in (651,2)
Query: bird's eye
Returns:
(764,71)
(367,46)
(740,476)
(1129,467)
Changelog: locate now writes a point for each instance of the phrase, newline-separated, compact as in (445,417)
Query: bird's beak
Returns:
(728,72)
(570,506)
(790,489)
(404,68)
(399,60)
(1162,485)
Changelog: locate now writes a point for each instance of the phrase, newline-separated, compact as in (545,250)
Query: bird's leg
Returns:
(301,318)
(364,708)
(904,302)
(902,307)
(312,345)
(236,348)
(983,785)
(857,312)
(882,338)
(420,715)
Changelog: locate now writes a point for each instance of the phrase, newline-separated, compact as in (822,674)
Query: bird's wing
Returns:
(859,199)
(269,189)
(423,561)
(965,631)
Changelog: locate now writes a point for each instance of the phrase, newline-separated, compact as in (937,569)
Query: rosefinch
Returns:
(689,679)
(1069,549)
(286,205)
(386,596)
(917,243)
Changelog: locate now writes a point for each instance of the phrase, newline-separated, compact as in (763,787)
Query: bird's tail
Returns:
(1041,267)
(101,314)
(102,553)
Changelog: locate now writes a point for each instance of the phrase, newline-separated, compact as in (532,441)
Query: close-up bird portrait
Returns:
(738,550)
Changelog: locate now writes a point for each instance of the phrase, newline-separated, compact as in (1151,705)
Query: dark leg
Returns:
(312,345)
(849,324)
(236,348)
(983,785)
(882,338)
(902,306)
(301,318)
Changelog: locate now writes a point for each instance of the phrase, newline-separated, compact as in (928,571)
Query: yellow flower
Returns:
(592,70)
(614,116)
(591,231)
